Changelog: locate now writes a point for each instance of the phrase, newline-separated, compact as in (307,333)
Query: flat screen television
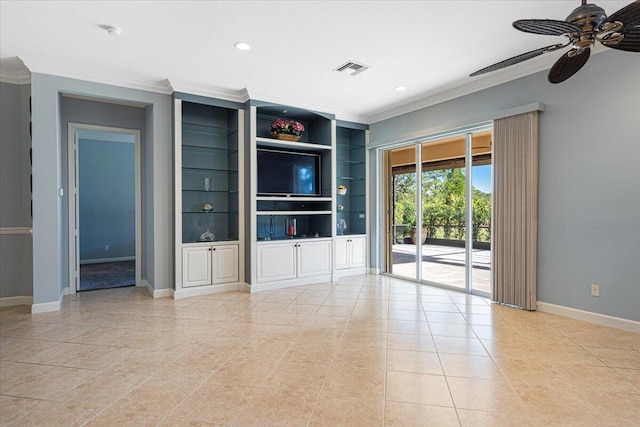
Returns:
(288,173)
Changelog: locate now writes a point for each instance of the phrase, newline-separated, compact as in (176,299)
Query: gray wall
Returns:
(15,196)
(106,199)
(50,272)
(589,175)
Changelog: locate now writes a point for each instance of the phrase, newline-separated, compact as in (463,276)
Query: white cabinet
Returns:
(293,260)
(277,261)
(314,258)
(224,264)
(196,269)
(209,265)
(351,252)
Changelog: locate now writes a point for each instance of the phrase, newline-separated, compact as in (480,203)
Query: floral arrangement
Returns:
(290,127)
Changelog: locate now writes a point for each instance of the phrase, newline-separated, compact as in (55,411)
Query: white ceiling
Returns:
(428,46)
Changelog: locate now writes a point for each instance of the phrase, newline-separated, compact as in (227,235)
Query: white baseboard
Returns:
(375,271)
(587,316)
(103,260)
(66,291)
(46,307)
(147,285)
(282,284)
(155,293)
(207,290)
(337,274)
(162,293)
(11,301)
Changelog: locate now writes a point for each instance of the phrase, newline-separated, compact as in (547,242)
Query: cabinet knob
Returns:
(209,249)
(214,249)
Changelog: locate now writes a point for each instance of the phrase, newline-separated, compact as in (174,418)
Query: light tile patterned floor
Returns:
(367,351)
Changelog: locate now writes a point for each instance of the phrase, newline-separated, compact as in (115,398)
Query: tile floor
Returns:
(369,351)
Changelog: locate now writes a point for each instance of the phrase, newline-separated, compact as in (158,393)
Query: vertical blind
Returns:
(515,215)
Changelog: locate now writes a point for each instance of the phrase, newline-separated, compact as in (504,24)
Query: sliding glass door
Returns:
(453,184)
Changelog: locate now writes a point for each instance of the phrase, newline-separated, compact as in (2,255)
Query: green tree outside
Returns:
(443,205)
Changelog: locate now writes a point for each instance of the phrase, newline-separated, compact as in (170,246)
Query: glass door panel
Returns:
(402,200)
(481,228)
(443,212)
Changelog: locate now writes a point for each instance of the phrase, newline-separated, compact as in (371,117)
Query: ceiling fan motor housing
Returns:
(589,17)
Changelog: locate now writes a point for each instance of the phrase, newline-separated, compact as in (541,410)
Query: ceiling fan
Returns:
(584,26)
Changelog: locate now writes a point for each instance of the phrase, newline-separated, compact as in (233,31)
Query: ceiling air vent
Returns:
(352,68)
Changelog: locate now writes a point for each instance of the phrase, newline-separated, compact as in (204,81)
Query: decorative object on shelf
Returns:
(207,236)
(207,207)
(291,226)
(342,190)
(206,184)
(342,226)
(288,130)
(340,208)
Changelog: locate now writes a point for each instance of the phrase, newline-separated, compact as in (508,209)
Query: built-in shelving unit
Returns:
(350,245)
(208,157)
(293,226)
(351,173)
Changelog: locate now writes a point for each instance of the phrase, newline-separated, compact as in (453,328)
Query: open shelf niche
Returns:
(351,166)
(313,214)
(209,172)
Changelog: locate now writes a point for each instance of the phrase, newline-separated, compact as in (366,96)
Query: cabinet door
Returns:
(358,252)
(224,264)
(196,266)
(342,253)
(276,261)
(314,258)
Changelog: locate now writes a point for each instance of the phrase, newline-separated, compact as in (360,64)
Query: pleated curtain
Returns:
(515,210)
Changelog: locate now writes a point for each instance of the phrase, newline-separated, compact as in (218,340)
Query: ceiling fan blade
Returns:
(630,42)
(568,64)
(628,15)
(517,59)
(548,27)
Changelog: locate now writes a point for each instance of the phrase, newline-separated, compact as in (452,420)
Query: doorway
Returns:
(104,207)
(440,208)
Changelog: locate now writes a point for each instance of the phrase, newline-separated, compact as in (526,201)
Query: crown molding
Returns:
(148,85)
(15,77)
(209,91)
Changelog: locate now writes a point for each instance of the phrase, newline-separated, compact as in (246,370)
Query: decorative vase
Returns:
(342,190)
(207,236)
(286,136)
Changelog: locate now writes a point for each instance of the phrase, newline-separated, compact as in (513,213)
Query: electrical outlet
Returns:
(595,290)
(106,248)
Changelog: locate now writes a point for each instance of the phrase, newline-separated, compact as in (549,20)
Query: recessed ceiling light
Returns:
(401,88)
(242,46)
(114,31)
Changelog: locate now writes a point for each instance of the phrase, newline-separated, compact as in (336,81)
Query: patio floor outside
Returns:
(444,265)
